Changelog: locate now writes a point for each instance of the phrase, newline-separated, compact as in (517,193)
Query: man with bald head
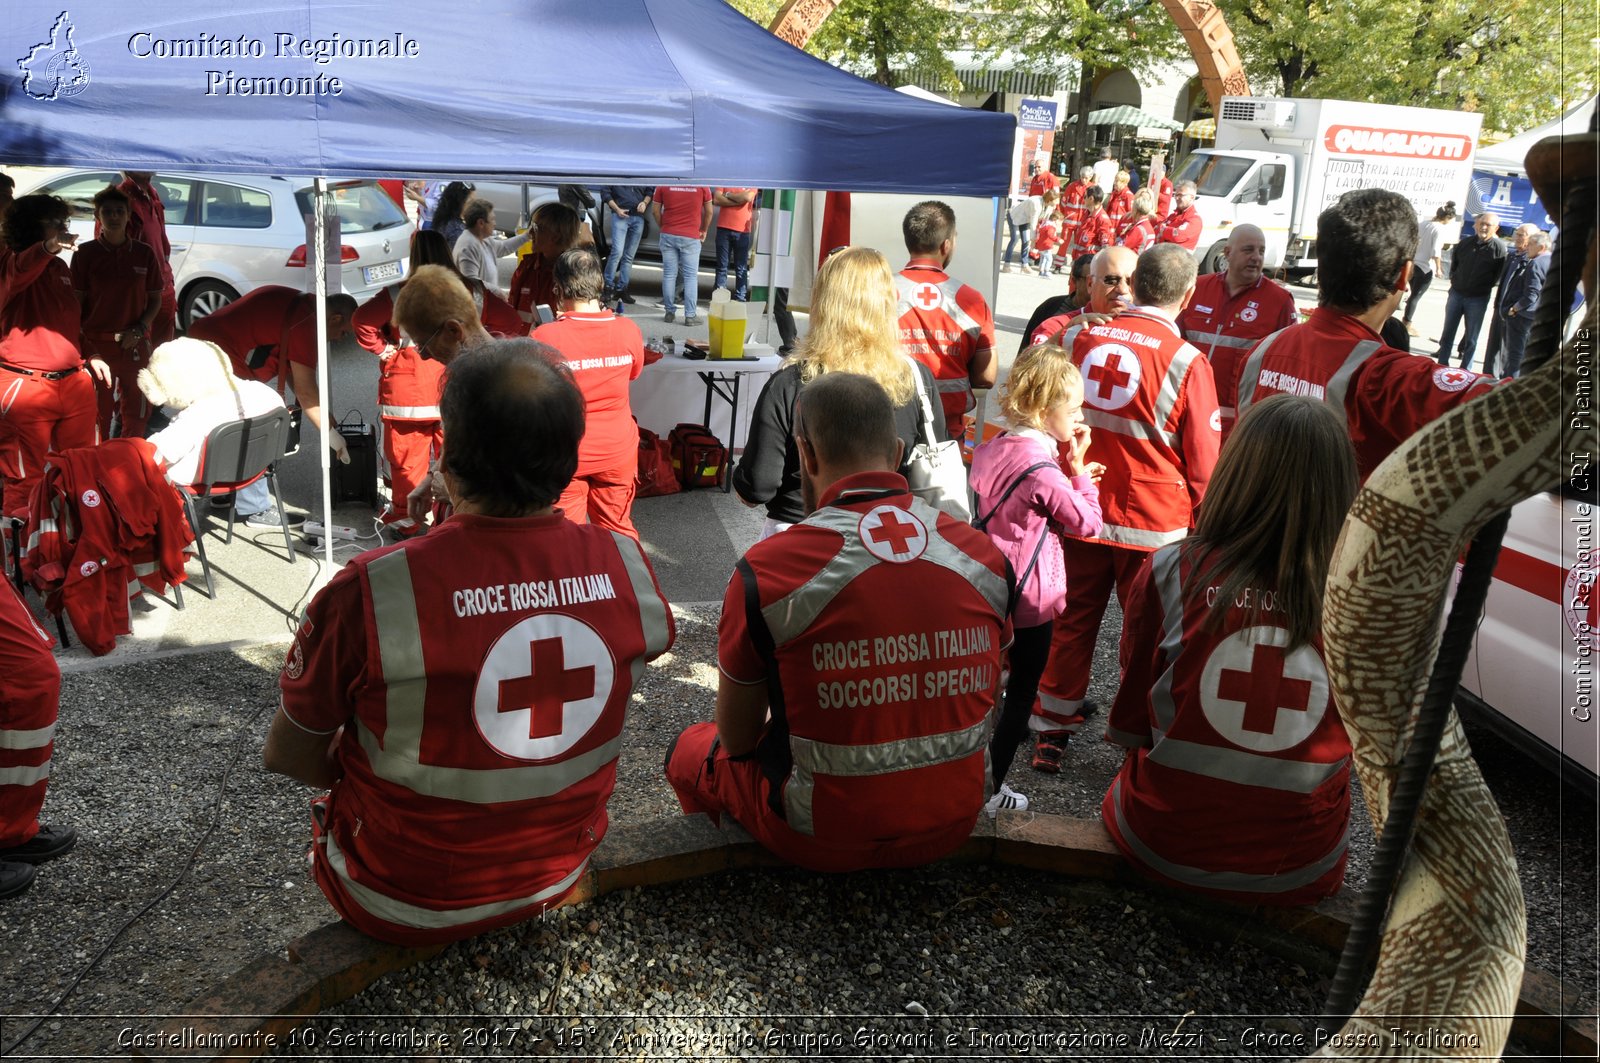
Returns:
(1516,255)
(1234,310)
(1474,271)
(1110,292)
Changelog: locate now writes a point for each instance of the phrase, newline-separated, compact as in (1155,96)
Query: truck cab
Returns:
(1237,188)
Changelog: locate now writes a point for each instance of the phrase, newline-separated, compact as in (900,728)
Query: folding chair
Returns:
(237,454)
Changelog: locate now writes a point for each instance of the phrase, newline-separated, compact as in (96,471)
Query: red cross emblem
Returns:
(91,498)
(1111,376)
(1259,697)
(546,689)
(1451,379)
(894,534)
(542,687)
(927,297)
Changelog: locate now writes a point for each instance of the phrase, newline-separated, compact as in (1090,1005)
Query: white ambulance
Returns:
(1278,163)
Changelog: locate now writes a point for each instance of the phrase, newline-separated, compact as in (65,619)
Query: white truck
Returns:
(1278,163)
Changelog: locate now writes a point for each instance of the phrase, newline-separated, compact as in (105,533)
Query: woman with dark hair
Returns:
(1237,778)
(47,401)
(555,228)
(408,384)
(447,215)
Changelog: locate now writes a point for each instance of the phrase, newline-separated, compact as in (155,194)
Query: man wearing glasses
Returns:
(1183,225)
(1110,293)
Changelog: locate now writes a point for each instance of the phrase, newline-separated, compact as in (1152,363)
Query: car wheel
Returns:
(202,298)
(1214,261)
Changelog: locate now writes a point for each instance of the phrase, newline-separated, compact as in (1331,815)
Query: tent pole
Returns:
(319,266)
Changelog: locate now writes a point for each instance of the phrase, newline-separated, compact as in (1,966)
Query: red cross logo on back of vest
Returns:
(1110,376)
(927,297)
(546,691)
(1259,697)
(543,685)
(893,534)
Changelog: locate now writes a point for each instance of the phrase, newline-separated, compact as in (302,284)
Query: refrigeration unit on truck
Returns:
(1278,163)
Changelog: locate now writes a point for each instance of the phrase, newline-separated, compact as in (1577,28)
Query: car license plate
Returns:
(386,271)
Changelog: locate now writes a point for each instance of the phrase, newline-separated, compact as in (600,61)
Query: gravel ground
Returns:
(143,748)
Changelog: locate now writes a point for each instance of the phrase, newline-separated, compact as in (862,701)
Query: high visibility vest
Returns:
(882,625)
(944,324)
(1240,782)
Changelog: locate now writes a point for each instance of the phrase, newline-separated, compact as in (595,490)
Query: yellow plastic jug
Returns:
(719,309)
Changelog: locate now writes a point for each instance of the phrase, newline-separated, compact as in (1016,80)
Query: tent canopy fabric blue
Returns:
(583,91)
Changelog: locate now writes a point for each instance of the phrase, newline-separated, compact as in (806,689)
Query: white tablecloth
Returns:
(670,392)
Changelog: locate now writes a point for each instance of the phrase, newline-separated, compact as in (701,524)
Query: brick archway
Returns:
(1203,27)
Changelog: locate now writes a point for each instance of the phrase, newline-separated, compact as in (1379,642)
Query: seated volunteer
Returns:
(860,659)
(194,381)
(1237,778)
(271,336)
(462,695)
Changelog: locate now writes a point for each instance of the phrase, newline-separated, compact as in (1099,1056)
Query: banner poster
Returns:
(1036,135)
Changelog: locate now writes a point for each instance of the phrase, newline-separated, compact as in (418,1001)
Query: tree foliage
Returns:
(1520,62)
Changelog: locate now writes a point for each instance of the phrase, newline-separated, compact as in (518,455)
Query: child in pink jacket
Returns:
(1033,483)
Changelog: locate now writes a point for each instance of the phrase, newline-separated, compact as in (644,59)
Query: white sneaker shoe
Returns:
(1006,800)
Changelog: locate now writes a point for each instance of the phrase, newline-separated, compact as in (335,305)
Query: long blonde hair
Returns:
(855,324)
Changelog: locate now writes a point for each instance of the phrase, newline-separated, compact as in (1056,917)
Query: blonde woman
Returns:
(854,329)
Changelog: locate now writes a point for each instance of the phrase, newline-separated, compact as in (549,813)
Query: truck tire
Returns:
(1213,261)
(202,298)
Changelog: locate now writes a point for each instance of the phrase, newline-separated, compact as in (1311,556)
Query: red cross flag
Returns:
(1110,376)
(1260,698)
(542,687)
(894,534)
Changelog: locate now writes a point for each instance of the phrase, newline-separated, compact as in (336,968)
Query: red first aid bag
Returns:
(698,457)
(656,476)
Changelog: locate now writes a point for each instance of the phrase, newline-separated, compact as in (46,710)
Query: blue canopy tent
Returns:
(578,91)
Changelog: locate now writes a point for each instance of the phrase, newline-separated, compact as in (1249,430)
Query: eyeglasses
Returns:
(422,348)
(1112,280)
(835,251)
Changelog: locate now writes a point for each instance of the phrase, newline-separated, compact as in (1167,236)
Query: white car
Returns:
(232,233)
(1532,673)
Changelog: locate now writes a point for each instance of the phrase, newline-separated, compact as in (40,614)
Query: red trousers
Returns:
(708,780)
(603,498)
(123,397)
(30,688)
(36,417)
(1092,570)
(408,447)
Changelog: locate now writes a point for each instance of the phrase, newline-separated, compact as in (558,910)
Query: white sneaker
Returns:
(1006,800)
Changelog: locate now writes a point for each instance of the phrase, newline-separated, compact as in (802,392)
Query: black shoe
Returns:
(15,878)
(606,295)
(670,316)
(625,297)
(1088,709)
(48,844)
(222,501)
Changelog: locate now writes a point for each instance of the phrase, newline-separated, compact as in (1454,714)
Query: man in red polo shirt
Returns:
(1151,401)
(1232,311)
(852,718)
(1365,242)
(683,214)
(118,283)
(147,221)
(944,324)
(735,223)
(1041,180)
(1183,225)
(270,335)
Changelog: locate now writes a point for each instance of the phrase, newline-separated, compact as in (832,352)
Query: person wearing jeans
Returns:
(1474,269)
(625,209)
(684,214)
(734,224)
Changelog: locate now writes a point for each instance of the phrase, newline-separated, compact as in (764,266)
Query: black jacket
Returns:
(1475,265)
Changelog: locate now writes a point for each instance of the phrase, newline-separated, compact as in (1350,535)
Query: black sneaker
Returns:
(606,295)
(625,297)
(670,316)
(1088,709)
(15,878)
(48,844)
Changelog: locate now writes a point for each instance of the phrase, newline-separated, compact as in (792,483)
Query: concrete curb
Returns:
(272,994)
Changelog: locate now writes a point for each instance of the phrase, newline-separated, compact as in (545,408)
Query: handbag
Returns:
(935,471)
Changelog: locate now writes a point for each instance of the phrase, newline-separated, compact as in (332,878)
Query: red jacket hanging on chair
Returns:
(104,521)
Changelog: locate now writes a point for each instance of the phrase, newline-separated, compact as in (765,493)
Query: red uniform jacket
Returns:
(532,283)
(1225,326)
(1239,782)
(945,325)
(1118,204)
(280,320)
(38,312)
(1095,233)
(482,675)
(102,521)
(1150,399)
(147,221)
(30,690)
(892,662)
(1386,394)
(1182,228)
(1072,211)
(1139,236)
